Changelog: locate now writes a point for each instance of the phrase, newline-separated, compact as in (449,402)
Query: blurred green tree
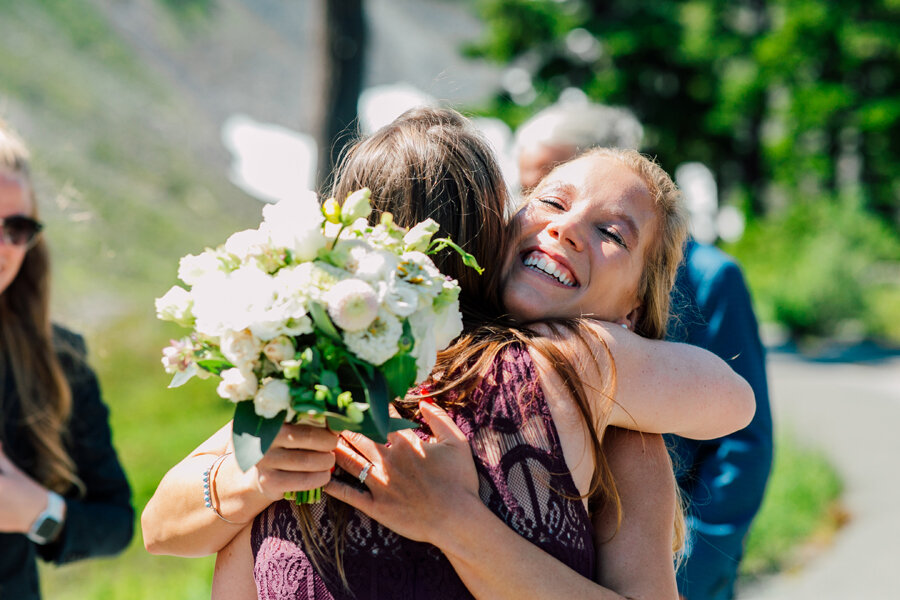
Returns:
(783,99)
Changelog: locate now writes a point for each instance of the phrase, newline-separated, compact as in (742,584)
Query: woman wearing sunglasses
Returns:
(63,494)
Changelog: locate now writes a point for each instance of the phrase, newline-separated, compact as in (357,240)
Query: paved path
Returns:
(852,412)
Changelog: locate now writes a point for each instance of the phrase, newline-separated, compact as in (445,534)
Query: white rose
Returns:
(273,397)
(240,347)
(175,305)
(376,265)
(192,268)
(208,307)
(232,301)
(296,225)
(419,237)
(247,243)
(237,385)
(352,304)
(279,349)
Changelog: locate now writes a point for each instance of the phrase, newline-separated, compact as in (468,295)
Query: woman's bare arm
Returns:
(634,556)
(660,387)
(233,575)
(176,520)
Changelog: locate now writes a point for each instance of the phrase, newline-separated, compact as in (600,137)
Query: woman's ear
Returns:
(630,320)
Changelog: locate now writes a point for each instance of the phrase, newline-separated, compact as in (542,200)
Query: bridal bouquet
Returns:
(315,316)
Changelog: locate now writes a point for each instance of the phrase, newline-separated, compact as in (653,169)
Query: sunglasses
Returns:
(19,230)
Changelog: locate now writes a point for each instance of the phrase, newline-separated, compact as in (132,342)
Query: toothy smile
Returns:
(538,261)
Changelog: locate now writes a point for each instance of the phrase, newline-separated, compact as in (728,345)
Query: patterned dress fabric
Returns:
(523,479)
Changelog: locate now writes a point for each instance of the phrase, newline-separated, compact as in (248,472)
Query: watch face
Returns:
(47,529)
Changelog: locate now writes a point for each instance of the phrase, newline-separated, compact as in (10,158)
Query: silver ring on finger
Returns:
(365,472)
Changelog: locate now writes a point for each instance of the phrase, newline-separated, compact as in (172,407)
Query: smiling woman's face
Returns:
(581,244)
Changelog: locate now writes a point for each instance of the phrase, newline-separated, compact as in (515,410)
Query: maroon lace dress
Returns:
(523,479)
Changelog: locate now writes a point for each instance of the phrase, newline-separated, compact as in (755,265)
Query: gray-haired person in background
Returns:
(722,480)
(562,131)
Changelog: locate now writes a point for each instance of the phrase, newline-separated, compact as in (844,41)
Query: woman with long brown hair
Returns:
(63,494)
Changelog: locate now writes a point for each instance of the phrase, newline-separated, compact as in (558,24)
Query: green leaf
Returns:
(367,427)
(377,395)
(252,435)
(468,260)
(214,365)
(323,323)
(329,379)
(396,424)
(379,400)
(400,374)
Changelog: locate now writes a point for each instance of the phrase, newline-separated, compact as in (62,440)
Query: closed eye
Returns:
(551,202)
(611,234)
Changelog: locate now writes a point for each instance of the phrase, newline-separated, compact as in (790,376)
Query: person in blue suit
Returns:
(722,480)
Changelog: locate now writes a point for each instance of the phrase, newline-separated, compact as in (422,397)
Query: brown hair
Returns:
(27,347)
(431,163)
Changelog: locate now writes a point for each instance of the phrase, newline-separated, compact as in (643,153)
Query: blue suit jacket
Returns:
(723,480)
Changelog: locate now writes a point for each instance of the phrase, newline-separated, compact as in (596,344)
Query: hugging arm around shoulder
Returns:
(655,386)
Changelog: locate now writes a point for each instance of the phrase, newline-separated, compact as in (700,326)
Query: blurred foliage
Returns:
(787,101)
(801,503)
(821,265)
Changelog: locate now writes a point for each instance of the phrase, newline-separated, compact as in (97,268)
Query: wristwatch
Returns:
(50,522)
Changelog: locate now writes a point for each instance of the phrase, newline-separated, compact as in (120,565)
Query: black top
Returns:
(97,524)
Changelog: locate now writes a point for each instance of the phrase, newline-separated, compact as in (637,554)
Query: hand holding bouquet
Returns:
(315,316)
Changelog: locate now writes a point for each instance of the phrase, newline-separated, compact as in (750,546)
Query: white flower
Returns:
(348,252)
(240,348)
(424,348)
(447,325)
(273,397)
(401,298)
(356,206)
(247,243)
(433,331)
(419,237)
(232,301)
(352,304)
(376,265)
(175,305)
(378,342)
(237,385)
(193,268)
(295,225)
(279,349)
(416,268)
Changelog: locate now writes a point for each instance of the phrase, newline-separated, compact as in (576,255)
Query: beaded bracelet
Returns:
(209,487)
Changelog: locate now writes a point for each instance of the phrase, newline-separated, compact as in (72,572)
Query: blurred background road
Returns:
(851,411)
